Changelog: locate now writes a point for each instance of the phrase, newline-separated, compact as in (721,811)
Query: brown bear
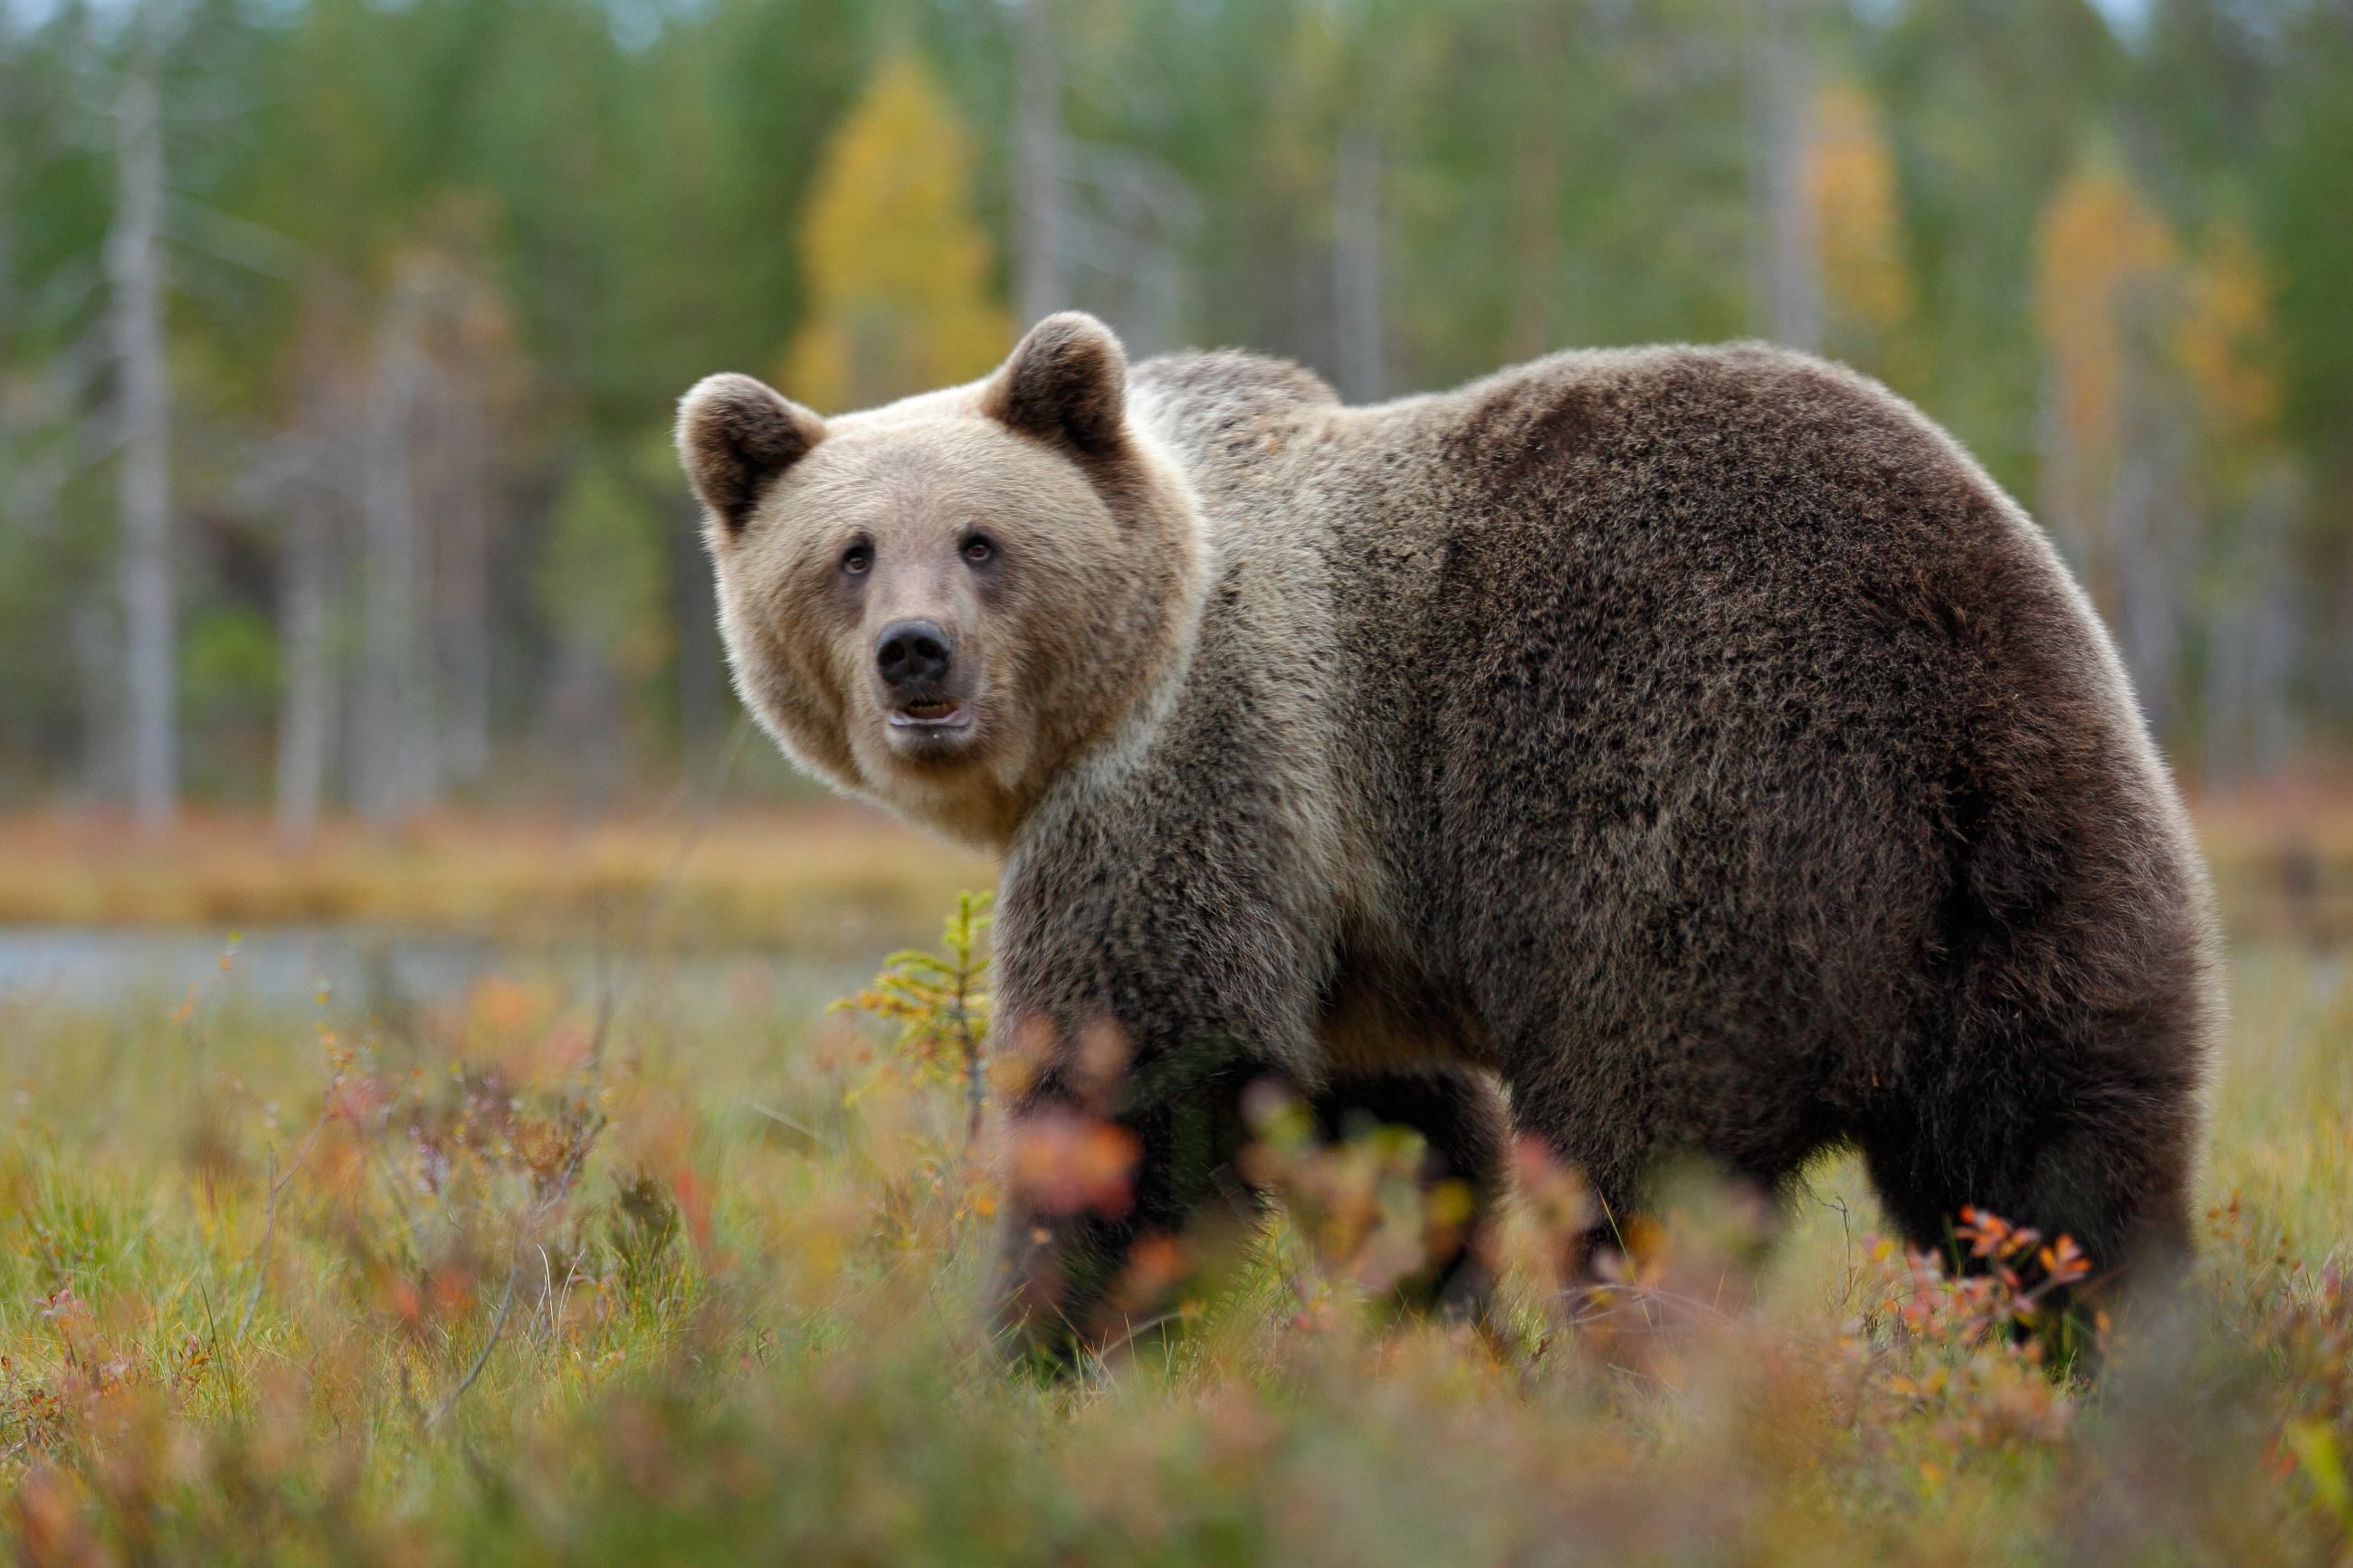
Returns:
(1694,740)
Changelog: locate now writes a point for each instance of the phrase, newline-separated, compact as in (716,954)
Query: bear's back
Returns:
(1745,666)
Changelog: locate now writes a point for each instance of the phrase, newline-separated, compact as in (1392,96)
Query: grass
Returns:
(519,1277)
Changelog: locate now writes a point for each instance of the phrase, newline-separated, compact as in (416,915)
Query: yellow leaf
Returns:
(2314,1447)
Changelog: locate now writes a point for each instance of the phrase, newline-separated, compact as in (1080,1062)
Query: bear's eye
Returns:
(857,558)
(979,548)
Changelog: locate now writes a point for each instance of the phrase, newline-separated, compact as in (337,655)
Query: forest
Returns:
(339,338)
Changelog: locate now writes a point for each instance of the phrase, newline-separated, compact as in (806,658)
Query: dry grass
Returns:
(825,877)
(516,1277)
(830,875)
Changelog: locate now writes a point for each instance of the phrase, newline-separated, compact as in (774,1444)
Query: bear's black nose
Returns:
(909,653)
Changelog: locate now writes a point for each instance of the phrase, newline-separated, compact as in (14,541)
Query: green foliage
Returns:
(604,581)
(641,1229)
(939,1005)
(75,1234)
(823,191)
(230,662)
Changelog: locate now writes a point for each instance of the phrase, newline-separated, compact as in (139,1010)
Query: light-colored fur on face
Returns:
(1083,607)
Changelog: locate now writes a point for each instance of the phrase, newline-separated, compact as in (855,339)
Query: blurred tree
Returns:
(1850,188)
(2104,264)
(2251,494)
(1538,173)
(2228,348)
(135,270)
(1785,281)
(2100,253)
(602,201)
(1995,99)
(897,269)
(603,591)
(1040,185)
(312,489)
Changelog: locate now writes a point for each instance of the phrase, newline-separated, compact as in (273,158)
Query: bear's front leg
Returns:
(1114,1194)
(1160,946)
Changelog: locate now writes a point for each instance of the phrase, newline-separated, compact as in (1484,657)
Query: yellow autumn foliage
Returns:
(2225,339)
(1849,189)
(2099,245)
(896,266)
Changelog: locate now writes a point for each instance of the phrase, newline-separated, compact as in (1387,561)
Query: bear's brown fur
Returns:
(1695,740)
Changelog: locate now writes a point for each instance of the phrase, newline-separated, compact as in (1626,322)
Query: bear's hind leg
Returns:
(2107,1166)
(1466,1129)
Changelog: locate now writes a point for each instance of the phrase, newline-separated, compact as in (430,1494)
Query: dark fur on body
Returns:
(1695,740)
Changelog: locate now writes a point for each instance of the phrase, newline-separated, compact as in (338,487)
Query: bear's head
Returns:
(942,603)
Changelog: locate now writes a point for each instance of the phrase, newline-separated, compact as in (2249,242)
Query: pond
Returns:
(371,969)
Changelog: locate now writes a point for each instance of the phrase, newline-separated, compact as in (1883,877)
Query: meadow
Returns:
(616,1252)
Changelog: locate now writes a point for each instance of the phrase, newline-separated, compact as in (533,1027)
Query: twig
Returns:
(556,1194)
(781,1119)
(1589,1310)
(1102,1358)
(498,1329)
(975,1089)
(269,1215)
(610,996)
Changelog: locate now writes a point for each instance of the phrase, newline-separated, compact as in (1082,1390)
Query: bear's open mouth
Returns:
(942,715)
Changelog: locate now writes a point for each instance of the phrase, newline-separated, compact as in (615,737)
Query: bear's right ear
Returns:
(735,434)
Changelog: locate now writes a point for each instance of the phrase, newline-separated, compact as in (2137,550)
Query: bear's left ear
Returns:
(735,435)
(1067,381)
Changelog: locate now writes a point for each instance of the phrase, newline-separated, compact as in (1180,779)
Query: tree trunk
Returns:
(134,267)
(306,713)
(2147,533)
(2255,636)
(1785,286)
(1357,262)
(393,772)
(97,636)
(1536,185)
(1041,185)
(469,495)
(702,667)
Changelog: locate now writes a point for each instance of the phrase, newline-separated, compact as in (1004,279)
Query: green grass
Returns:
(700,1284)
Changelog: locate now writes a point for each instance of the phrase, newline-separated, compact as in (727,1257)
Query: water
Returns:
(379,969)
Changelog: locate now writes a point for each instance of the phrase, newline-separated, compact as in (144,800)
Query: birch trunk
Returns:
(1357,263)
(393,763)
(1536,188)
(306,714)
(1041,185)
(1785,286)
(134,268)
(2146,531)
(468,497)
